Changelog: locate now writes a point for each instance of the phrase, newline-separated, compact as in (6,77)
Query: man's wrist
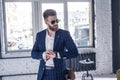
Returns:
(57,54)
(43,55)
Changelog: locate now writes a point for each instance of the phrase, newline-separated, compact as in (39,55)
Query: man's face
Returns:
(52,23)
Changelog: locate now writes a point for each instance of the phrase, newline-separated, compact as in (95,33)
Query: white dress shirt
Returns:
(49,46)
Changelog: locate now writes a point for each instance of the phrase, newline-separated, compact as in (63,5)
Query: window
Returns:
(23,21)
(78,20)
(18,25)
(79,24)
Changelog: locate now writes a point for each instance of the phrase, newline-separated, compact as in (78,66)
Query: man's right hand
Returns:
(49,55)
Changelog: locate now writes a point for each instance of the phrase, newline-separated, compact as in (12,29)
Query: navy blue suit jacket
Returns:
(63,43)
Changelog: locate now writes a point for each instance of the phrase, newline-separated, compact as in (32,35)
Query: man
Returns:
(52,47)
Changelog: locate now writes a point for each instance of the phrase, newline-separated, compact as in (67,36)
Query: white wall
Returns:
(103,36)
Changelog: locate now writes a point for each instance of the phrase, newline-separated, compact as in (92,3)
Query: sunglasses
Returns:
(54,21)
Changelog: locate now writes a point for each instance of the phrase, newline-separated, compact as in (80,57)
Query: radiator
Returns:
(75,64)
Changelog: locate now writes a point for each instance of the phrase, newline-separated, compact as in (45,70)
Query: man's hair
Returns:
(49,12)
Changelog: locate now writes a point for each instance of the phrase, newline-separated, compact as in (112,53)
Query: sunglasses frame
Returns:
(54,21)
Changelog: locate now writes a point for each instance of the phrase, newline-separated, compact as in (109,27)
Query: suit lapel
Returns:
(43,40)
(56,39)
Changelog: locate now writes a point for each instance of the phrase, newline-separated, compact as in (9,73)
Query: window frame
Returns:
(35,22)
(91,22)
(66,17)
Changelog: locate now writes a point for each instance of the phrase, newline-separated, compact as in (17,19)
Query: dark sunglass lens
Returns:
(52,22)
(57,21)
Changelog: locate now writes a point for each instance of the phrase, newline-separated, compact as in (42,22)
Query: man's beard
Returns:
(52,28)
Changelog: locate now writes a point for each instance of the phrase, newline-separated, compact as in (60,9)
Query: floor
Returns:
(101,77)
(98,79)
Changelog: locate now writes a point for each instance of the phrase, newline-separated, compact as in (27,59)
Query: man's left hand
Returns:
(52,54)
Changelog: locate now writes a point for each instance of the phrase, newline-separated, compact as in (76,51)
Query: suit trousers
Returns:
(49,74)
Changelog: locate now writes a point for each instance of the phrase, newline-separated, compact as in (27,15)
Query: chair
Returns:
(87,75)
(118,74)
(69,74)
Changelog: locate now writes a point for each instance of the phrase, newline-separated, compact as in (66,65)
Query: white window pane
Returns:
(19,25)
(79,22)
(59,10)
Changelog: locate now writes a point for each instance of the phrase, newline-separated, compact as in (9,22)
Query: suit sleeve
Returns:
(36,53)
(70,50)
